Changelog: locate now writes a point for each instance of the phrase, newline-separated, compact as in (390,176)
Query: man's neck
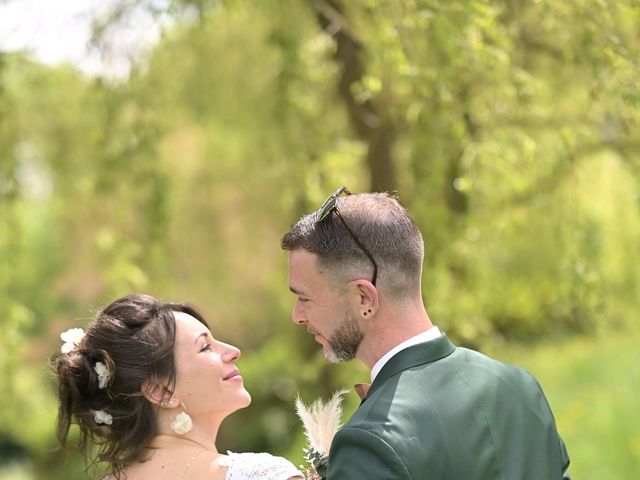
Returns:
(426,336)
(390,328)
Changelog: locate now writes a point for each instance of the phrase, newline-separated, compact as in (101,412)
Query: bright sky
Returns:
(56,31)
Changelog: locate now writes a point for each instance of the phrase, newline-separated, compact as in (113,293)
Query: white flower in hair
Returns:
(102,417)
(182,423)
(103,374)
(71,339)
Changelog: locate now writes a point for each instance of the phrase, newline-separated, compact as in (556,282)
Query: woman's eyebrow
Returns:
(203,334)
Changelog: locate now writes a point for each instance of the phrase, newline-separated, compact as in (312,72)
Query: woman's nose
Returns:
(231,353)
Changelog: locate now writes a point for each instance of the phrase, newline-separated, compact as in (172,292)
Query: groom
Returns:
(433,410)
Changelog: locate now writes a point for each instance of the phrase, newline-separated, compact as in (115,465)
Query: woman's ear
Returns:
(158,394)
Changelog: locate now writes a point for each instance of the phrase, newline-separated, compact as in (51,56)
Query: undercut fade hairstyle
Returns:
(134,338)
(382,225)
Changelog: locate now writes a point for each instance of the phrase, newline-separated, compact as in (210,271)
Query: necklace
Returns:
(190,462)
(203,449)
(197,443)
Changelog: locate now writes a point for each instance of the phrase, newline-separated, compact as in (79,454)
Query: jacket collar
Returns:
(420,354)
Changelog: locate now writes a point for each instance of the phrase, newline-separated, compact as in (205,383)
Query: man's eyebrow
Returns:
(203,334)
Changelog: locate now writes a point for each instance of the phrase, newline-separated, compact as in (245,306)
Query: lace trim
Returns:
(254,466)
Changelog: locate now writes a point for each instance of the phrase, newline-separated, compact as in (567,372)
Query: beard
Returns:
(345,340)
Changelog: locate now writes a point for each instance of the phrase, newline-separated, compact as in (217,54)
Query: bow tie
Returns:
(362,389)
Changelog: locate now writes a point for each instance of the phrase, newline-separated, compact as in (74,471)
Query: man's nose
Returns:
(297,315)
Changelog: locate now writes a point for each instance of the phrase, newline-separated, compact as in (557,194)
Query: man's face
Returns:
(322,309)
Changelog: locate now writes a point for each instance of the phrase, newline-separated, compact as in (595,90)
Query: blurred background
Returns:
(164,146)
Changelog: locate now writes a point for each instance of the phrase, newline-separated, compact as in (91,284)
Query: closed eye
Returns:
(205,347)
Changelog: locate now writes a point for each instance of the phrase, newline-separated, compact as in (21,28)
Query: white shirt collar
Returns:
(426,336)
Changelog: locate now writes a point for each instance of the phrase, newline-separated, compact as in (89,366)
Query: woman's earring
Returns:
(182,423)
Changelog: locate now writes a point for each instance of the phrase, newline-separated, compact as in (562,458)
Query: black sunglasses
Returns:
(331,205)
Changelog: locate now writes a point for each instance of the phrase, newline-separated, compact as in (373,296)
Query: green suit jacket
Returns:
(439,412)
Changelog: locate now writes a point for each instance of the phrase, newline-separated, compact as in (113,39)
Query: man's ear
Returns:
(158,394)
(364,297)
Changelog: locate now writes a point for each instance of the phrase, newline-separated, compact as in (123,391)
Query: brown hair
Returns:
(382,225)
(134,337)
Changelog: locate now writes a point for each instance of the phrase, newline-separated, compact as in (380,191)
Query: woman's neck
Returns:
(203,433)
(191,439)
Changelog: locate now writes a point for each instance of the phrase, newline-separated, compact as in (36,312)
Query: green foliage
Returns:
(514,131)
(591,384)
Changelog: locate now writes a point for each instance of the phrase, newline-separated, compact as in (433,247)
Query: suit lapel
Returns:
(412,357)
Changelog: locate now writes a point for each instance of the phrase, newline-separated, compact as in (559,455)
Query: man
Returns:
(433,411)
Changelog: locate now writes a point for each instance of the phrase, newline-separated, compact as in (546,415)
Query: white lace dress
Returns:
(255,466)
(258,466)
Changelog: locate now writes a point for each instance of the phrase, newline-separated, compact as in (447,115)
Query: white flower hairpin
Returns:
(102,418)
(103,374)
(71,339)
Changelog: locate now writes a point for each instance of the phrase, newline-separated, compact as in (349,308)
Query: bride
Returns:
(149,385)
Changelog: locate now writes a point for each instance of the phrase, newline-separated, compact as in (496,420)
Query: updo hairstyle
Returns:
(134,338)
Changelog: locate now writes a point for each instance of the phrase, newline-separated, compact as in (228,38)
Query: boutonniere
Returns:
(321,421)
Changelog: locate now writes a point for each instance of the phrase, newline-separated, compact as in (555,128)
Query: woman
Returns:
(149,386)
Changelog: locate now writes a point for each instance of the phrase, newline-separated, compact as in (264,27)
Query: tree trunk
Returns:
(374,128)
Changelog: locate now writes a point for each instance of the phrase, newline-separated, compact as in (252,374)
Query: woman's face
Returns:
(207,379)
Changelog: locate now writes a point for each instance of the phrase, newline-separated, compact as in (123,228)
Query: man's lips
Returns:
(317,336)
(234,374)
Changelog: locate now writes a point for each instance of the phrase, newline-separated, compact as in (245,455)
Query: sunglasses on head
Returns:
(329,206)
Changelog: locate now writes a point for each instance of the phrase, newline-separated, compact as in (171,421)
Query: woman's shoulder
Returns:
(250,465)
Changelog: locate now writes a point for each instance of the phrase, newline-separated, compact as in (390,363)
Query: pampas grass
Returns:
(321,421)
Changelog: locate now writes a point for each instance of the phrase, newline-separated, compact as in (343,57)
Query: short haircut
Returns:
(382,225)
